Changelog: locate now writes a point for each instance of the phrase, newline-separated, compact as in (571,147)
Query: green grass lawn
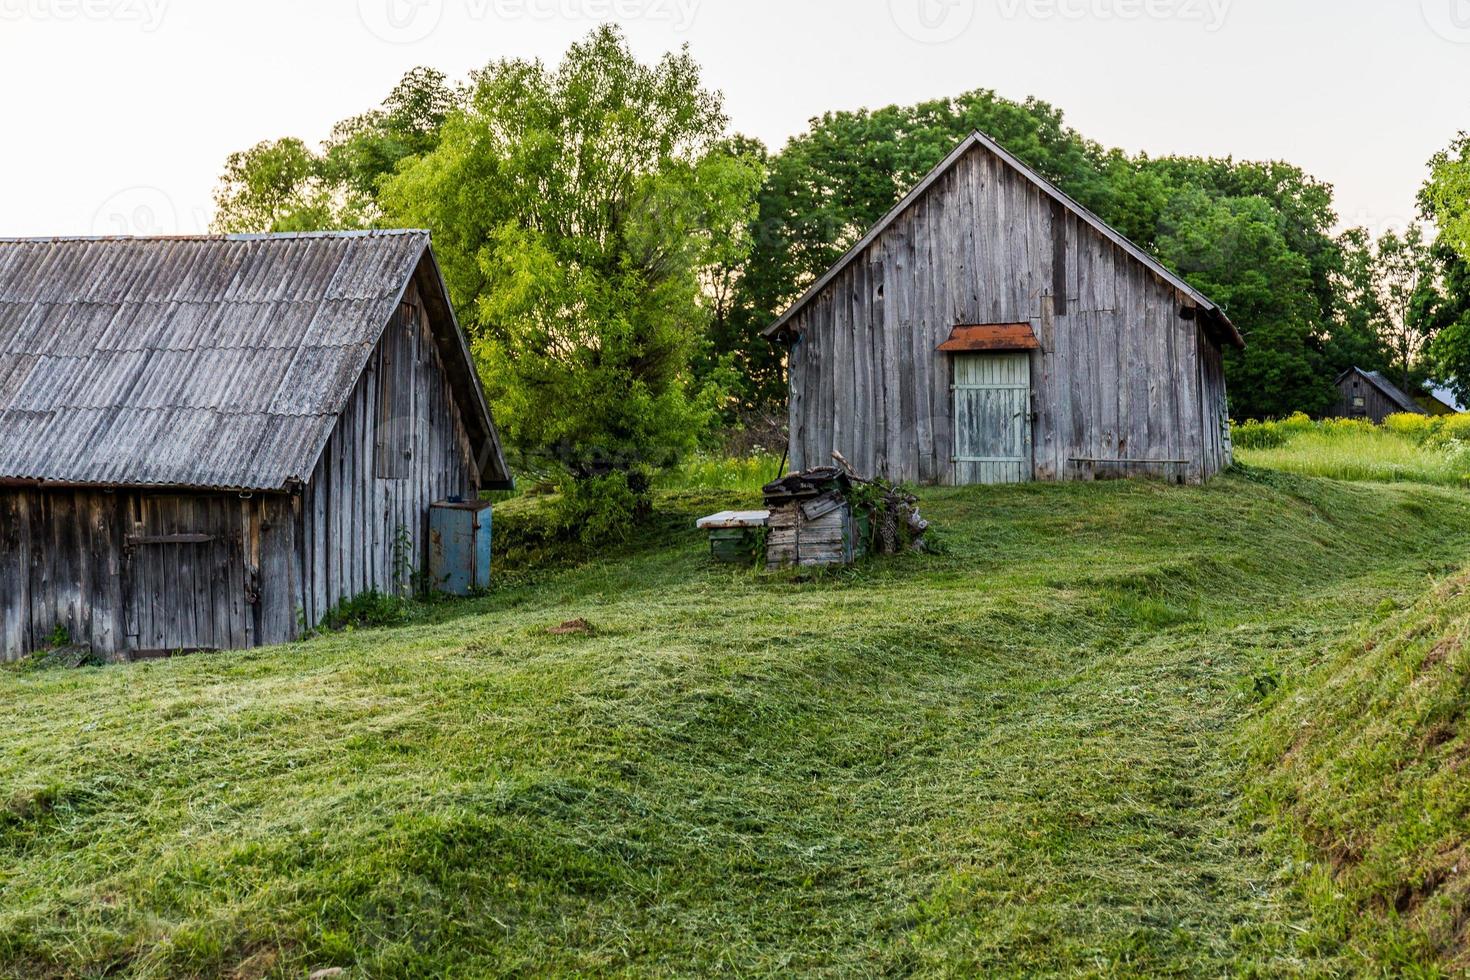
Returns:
(1041,752)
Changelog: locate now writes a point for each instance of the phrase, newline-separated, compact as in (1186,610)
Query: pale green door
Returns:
(992,418)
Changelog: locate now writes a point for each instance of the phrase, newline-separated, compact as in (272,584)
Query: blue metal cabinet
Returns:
(459,547)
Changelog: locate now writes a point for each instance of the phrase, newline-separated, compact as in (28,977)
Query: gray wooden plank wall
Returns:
(1121,376)
(351,512)
(109,569)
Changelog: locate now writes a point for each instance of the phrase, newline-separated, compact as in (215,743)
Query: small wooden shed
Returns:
(990,329)
(1370,395)
(207,443)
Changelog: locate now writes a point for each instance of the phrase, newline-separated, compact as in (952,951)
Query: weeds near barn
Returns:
(1031,754)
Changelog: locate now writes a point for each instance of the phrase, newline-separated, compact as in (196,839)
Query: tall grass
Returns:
(746,474)
(1406,448)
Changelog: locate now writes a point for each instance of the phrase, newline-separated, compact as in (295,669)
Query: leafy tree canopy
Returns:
(1444,302)
(578,213)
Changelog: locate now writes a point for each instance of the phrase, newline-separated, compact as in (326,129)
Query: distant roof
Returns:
(1390,390)
(1447,397)
(975,139)
(202,362)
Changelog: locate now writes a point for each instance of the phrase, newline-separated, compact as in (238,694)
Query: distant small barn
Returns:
(206,443)
(1369,395)
(992,330)
(1441,399)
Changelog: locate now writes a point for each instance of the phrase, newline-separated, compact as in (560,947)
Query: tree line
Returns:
(614,249)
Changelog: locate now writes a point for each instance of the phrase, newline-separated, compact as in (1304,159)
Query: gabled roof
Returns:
(978,139)
(210,362)
(1390,390)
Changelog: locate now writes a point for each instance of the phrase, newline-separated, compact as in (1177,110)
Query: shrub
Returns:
(1339,427)
(1450,429)
(1297,422)
(1257,435)
(603,508)
(365,611)
(1417,427)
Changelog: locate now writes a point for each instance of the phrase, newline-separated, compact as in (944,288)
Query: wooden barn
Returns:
(992,330)
(1370,395)
(206,443)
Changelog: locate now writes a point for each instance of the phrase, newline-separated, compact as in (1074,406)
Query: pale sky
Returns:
(117,114)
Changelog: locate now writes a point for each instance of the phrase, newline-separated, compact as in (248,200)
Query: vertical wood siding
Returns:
(1123,385)
(1376,405)
(133,571)
(353,518)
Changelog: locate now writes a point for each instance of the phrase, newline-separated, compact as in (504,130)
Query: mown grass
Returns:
(1407,448)
(1368,756)
(1019,757)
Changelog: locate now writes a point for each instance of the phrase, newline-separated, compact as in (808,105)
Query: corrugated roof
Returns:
(979,139)
(207,362)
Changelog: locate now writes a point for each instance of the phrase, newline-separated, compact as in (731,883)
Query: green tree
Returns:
(283,185)
(1403,275)
(1235,251)
(831,183)
(1445,301)
(277,185)
(582,216)
(1446,195)
(1357,340)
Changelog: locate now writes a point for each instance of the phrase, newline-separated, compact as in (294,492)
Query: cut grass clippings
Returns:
(1023,756)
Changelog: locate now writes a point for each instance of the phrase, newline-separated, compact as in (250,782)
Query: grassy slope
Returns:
(1016,757)
(1369,755)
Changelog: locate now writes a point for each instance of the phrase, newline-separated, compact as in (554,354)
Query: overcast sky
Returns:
(117,114)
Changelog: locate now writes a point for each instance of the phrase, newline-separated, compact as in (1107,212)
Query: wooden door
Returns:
(185,583)
(992,418)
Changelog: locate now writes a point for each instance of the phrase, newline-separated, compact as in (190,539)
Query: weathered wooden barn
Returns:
(206,443)
(1369,395)
(990,329)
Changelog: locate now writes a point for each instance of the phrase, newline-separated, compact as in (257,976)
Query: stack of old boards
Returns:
(811,520)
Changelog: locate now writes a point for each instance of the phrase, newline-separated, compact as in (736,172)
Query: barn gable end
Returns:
(1125,378)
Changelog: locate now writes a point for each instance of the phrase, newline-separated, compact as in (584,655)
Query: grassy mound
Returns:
(1369,757)
(1017,757)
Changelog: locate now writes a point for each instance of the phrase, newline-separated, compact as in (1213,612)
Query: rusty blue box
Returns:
(459,546)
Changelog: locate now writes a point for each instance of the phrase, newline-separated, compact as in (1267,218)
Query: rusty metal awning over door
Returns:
(969,338)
